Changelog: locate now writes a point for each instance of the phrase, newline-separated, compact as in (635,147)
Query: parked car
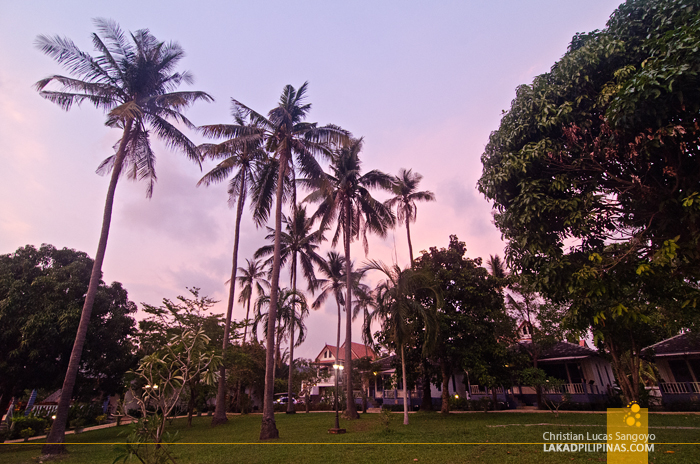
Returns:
(285,399)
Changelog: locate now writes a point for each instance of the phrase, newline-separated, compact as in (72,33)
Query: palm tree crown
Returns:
(404,188)
(134,82)
(297,239)
(253,277)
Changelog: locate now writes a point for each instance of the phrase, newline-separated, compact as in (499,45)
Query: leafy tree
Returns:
(164,375)
(173,319)
(245,159)
(595,165)
(134,82)
(404,188)
(41,294)
(473,324)
(594,174)
(293,143)
(397,308)
(345,199)
(246,372)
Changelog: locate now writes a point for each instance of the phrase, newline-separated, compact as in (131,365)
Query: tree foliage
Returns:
(474,329)
(41,296)
(596,162)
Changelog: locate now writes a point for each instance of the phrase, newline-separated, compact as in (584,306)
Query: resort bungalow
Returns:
(585,375)
(678,361)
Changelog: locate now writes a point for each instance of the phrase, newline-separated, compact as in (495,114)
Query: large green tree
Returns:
(603,150)
(41,294)
(345,199)
(473,324)
(594,173)
(133,80)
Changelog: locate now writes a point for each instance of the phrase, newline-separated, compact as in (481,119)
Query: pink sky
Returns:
(424,83)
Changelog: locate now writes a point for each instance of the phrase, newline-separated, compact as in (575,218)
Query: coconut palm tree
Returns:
(333,270)
(252,277)
(292,142)
(286,316)
(405,197)
(243,158)
(298,241)
(398,309)
(345,199)
(133,80)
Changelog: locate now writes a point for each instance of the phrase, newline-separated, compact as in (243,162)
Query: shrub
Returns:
(21,423)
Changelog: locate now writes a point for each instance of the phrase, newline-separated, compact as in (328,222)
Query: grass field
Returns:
(430,438)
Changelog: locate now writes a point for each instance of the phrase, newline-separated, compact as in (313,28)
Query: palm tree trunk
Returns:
(247,315)
(245,333)
(290,404)
(351,411)
(405,387)
(337,357)
(410,247)
(56,437)
(220,410)
(268,429)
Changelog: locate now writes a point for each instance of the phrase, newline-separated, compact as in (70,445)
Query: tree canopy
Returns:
(41,297)
(595,166)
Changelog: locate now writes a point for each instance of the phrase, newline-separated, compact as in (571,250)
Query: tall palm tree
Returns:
(252,278)
(298,241)
(134,82)
(397,309)
(291,141)
(333,270)
(243,158)
(345,199)
(405,197)
(286,316)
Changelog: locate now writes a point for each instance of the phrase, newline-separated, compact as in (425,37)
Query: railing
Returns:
(679,388)
(479,390)
(570,388)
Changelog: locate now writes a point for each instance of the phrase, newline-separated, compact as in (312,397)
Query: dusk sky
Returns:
(423,82)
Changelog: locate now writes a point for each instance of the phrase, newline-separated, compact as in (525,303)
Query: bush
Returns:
(26,433)
(85,412)
(21,423)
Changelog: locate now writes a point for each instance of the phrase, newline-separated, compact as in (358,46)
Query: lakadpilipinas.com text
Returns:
(598,442)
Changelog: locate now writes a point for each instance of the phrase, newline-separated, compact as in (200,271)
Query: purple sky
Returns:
(424,83)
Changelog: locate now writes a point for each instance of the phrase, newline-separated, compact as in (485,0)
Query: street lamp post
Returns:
(337,429)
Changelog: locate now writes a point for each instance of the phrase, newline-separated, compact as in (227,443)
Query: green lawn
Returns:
(430,438)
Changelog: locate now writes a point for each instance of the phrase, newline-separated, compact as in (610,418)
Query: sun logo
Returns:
(631,418)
